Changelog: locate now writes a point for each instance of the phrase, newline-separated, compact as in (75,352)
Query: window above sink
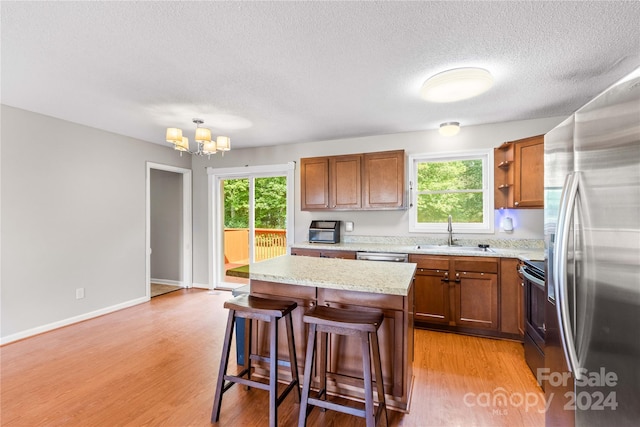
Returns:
(457,184)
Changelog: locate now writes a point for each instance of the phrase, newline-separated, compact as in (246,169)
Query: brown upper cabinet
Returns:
(353,182)
(519,173)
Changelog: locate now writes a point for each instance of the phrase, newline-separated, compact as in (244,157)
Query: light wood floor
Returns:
(155,364)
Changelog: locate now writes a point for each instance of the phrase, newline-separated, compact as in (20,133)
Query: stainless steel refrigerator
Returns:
(592,246)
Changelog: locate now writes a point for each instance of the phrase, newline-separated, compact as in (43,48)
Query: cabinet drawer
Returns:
(475,264)
(337,254)
(430,262)
(305,252)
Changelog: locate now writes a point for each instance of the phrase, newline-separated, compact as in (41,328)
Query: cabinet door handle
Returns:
(457,277)
(516,203)
(445,278)
(311,304)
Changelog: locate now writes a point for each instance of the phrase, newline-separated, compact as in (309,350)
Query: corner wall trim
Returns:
(71,320)
(168,282)
(201,285)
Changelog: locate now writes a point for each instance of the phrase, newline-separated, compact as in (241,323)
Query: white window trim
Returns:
(216,217)
(487,183)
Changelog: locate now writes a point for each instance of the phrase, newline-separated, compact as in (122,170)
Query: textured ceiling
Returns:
(281,72)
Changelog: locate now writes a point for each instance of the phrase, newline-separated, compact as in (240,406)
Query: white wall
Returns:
(73,216)
(367,223)
(166,226)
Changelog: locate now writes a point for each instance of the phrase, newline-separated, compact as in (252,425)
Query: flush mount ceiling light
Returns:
(456,85)
(206,146)
(449,128)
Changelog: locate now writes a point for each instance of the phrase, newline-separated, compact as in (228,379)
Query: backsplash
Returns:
(413,240)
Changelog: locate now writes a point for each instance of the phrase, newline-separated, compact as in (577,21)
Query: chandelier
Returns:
(206,146)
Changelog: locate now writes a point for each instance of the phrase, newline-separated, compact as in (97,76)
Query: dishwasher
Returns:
(382,256)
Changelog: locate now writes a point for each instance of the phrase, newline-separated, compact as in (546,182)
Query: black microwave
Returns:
(324,232)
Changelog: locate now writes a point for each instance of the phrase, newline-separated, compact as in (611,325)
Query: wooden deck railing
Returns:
(269,243)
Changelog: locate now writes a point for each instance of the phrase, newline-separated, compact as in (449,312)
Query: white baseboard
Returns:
(167,282)
(201,285)
(71,320)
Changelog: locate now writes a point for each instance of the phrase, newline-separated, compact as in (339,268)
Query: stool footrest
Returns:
(337,407)
(249,383)
(265,359)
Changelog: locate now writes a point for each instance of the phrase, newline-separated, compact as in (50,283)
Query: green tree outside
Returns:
(450,188)
(270,202)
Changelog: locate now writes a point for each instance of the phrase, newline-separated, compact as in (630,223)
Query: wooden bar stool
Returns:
(268,310)
(327,320)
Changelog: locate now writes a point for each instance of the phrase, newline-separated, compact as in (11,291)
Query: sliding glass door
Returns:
(252,217)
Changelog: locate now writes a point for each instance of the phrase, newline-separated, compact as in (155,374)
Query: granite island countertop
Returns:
(392,278)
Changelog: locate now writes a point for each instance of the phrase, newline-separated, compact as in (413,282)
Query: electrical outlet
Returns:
(79,293)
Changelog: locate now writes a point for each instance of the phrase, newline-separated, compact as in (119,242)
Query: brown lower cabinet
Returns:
(324,253)
(457,291)
(345,355)
(475,295)
(512,298)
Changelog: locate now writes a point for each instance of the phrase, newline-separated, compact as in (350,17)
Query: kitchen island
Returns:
(363,285)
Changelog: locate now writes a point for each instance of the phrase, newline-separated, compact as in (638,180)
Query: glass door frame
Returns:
(216,211)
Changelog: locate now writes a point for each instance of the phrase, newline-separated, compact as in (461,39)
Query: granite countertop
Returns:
(392,278)
(509,250)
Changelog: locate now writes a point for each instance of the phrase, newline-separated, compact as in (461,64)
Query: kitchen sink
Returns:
(452,249)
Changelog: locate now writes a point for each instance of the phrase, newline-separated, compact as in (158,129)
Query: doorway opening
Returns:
(251,220)
(168,231)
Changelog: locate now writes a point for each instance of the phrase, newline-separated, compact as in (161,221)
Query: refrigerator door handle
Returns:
(567,205)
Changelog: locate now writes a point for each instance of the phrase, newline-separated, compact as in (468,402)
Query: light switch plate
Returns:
(348,226)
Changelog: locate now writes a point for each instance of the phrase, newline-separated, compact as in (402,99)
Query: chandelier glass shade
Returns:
(206,145)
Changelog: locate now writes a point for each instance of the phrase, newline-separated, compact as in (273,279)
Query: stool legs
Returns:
(272,387)
(382,403)
(292,356)
(215,414)
(368,390)
(322,363)
(273,374)
(248,333)
(306,385)
(369,344)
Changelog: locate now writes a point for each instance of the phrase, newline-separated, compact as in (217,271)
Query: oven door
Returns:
(535,299)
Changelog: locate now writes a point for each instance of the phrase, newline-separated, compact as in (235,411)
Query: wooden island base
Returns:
(345,359)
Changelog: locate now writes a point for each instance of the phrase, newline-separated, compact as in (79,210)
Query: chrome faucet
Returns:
(450,230)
